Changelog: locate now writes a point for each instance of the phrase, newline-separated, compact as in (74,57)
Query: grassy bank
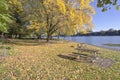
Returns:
(117,45)
(38,60)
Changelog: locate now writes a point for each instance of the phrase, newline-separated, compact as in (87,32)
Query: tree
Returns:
(59,15)
(106,4)
(5,18)
(37,28)
(19,26)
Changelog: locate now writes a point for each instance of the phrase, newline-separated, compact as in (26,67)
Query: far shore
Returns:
(99,46)
(116,45)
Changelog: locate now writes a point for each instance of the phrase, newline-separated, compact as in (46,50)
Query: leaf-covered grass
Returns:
(7,50)
(38,60)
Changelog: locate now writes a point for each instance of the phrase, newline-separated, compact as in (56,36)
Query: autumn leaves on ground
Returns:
(38,60)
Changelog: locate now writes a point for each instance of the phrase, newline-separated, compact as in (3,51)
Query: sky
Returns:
(106,20)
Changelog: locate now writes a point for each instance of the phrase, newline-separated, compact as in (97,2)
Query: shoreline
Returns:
(96,46)
(97,41)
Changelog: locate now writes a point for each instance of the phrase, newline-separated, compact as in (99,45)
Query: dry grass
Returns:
(38,60)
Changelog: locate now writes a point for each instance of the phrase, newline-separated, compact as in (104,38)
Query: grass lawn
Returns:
(38,60)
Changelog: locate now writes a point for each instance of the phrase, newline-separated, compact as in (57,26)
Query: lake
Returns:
(97,40)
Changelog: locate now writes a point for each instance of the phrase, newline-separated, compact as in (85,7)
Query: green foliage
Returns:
(4,16)
(106,4)
(7,50)
(18,28)
(3,6)
(117,7)
(4,21)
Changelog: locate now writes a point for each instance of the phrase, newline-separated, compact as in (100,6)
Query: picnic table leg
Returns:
(78,56)
(95,57)
(78,51)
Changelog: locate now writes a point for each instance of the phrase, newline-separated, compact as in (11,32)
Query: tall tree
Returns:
(19,27)
(56,15)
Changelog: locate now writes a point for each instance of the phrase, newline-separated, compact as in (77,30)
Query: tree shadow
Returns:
(23,42)
(78,57)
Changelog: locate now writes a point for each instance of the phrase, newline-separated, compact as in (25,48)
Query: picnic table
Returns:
(83,48)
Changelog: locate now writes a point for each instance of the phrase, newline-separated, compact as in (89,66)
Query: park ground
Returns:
(38,60)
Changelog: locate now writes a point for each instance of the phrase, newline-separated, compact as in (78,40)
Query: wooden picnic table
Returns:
(83,48)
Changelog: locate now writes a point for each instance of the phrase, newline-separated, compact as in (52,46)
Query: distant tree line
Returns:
(110,32)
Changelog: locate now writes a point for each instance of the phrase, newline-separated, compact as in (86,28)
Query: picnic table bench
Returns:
(82,48)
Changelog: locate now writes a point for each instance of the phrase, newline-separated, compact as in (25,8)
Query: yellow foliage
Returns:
(70,14)
(16,4)
(36,26)
(61,5)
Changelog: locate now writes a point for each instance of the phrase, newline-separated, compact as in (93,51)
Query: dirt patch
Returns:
(85,58)
(104,63)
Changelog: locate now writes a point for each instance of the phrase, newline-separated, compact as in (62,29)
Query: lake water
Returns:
(97,40)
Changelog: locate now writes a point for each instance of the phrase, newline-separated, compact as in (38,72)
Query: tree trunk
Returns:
(15,36)
(51,37)
(2,37)
(58,36)
(39,36)
(48,37)
(64,37)
(19,36)
(10,36)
